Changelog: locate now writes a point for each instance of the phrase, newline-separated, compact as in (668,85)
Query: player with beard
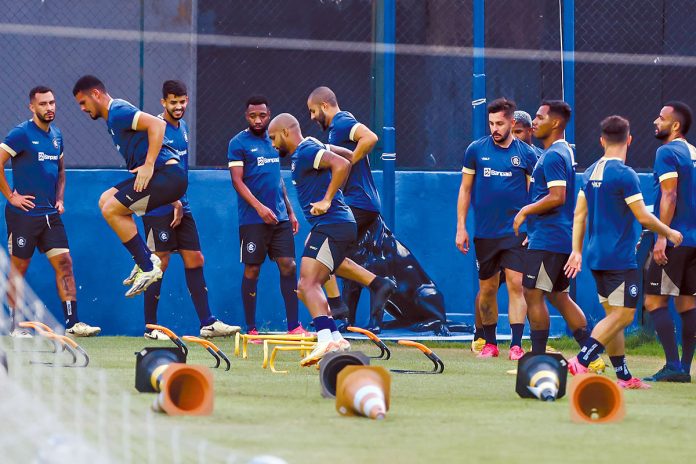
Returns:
(267,222)
(35,204)
(171,228)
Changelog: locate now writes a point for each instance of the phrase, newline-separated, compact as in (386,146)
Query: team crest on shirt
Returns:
(21,242)
(515,160)
(164,236)
(633,290)
(251,247)
(55,144)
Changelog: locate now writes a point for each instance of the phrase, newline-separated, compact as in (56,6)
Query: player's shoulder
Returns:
(20,130)
(120,104)
(671,150)
(240,137)
(311,144)
(345,117)
(479,144)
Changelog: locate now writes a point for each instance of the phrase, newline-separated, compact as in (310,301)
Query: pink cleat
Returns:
(489,351)
(575,368)
(299,330)
(516,352)
(255,341)
(634,383)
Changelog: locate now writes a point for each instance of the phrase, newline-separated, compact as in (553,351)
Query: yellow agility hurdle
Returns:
(277,349)
(243,340)
(304,347)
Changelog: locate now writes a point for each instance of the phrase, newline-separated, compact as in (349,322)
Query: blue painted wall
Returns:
(425,222)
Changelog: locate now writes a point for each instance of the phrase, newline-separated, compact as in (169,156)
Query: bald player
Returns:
(318,171)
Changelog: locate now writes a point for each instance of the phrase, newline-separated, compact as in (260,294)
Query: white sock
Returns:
(324,335)
(337,337)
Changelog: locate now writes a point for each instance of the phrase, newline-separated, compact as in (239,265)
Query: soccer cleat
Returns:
(516,352)
(597,366)
(219,329)
(144,279)
(477,345)
(80,329)
(575,368)
(489,351)
(128,281)
(634,383)
(20,333)
(343,344)
(299,330)
(156,334)
(669,375)
(320,350)
(254,341)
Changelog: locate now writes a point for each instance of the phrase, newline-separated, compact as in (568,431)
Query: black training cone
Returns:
(542,376)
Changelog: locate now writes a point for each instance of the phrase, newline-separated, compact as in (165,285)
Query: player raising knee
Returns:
(610,200)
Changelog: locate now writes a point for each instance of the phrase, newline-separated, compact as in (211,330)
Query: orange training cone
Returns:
(595,399)
(364,391)
(185,390)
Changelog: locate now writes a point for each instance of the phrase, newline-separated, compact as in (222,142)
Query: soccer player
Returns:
(672,271)
(317,174)
(549,230)
(497,168)
(35,204)
(523,130)
(611,199)
(159,177)
(267,222)
(172,228)
(360,193)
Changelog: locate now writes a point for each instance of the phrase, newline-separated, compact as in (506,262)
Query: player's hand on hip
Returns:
(22,202)
(178,213)
(659,255)
(267,215)
(143,174)
(462,240)
(675,237)
(60,207)
(320,207)
(574,265)
(294,223)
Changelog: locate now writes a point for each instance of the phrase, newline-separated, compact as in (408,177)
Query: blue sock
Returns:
(152,296)
(664,326)
(322,322)
(517,330)
(589,351)
(581,335)
(70,313)
(688,341)
(288,288)
(539,339)
(332,325)
(140,252)
(478,333)
(195,280)
(249,302)
(620,367)
(490,335)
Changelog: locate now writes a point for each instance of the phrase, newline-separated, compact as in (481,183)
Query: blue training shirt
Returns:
(678,159)
(359,191)
(312,182)
(176,138)
(261,164)
(553,230)
(35,157)
(500,184)
(121,123)
(609,187)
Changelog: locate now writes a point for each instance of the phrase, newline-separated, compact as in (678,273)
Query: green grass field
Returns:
(467,414)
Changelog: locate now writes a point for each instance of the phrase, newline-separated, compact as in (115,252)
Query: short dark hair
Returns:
(504,105)
(38,89)
(615,129)
(176,88)
(257,100)
(88,82)
(683,114)
(559,108)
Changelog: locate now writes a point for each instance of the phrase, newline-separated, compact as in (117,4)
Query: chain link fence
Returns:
(631,56)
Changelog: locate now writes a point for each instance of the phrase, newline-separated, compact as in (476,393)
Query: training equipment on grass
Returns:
(183,389)
(438,365)
(172,336)
(385,353)
(595,399)
(542,376)
(243,340)
(211,348)
(67,344)
(269,355)
(332,364)
(363,391)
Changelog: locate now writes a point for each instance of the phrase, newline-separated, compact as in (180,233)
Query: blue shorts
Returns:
(618,288)
(168,184)
(161,236)
(330,244)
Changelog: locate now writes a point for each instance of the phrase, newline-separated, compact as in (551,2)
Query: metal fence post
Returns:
(568,13)
(478,87)
(389,144)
